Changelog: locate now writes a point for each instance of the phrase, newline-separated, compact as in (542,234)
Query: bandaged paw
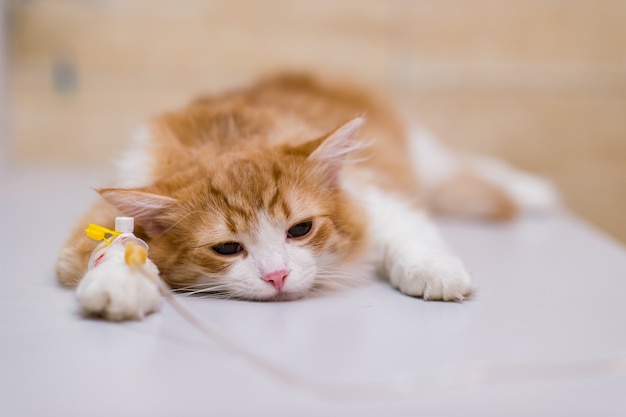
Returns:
(116,292)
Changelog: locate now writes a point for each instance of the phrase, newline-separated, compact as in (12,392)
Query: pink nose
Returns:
(277,278)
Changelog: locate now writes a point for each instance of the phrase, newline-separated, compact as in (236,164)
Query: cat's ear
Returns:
(146,207)
(331,150)
(334,146)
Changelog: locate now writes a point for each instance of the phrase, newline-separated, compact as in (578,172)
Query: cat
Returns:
(267,192)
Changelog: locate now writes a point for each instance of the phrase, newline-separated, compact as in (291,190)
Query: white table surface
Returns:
(545,334)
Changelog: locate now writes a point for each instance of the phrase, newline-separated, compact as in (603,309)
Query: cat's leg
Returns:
(411,254)
(110,290)
(463,184)
(71,264)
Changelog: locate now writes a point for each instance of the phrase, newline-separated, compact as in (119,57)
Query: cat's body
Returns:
(265,192)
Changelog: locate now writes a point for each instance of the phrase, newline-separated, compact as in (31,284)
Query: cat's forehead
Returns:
(227,220)
(243,190)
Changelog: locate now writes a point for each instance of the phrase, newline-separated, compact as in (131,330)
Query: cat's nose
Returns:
(277,278)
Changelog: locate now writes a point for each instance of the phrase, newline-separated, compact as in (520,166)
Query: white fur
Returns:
(136,165)
(410,252)
(116,292)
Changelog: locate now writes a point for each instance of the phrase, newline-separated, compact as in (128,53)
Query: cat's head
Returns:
(262,224)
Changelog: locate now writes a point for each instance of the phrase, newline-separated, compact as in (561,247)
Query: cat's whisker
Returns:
(342,277)
(215,288)
(335,271)
(211,297)
(331,278)
(203,287)
(215,296)
(190,287)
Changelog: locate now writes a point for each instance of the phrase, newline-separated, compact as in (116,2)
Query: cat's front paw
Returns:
(434,277)
(115,292)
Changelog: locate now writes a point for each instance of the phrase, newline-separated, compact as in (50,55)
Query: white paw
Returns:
(433,277)
(113,291)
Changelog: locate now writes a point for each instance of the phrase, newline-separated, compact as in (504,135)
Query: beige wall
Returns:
(539,82)
(4,105)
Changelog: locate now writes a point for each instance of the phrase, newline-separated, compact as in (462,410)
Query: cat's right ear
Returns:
(146,207)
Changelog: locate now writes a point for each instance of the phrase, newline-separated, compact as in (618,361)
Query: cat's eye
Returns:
(300,229)
(228,248)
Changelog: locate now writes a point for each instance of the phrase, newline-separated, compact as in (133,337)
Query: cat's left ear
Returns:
(145,206)
(340,142)
(331,150)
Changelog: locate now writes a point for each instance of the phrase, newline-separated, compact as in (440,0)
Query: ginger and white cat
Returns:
(266,192)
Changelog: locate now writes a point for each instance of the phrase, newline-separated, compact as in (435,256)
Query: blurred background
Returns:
(541,83)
